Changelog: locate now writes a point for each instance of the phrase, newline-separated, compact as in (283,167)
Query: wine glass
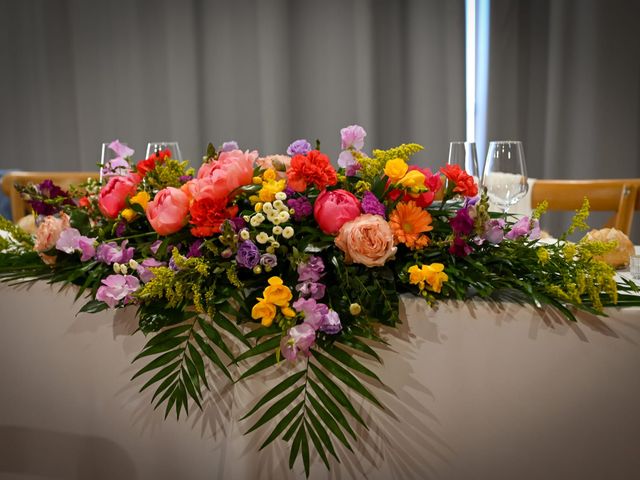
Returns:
(154,147)
(465,155)
(505,174)
(113,159)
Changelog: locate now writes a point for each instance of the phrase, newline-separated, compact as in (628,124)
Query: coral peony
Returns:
(167,213)
(333,209)
(222,177)
(113,196)
(367,240)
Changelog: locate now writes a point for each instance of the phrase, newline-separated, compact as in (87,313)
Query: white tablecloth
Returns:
(476,391)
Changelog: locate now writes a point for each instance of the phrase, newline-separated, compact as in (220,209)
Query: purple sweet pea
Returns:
(116,167)
(194,249)
(494,231)
(352,170)
(299,147)
(248,255)
(313,311)
(311,270)
(298,338)
(353,137)
(460,248)
(71,241)
(116,288)
(311,289)
(155,246)
(524,227)
(371,204)
(301,206)
(120,149)
(346,159)
(110,252)
(331,324)
(144,269)
(229,146)
(121,227)
(462,223)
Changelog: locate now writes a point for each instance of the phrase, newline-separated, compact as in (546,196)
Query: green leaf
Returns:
(292,429)
(305,450)
(333,409)
(346,377)
(276,408)
(165,387)
(275,391)
(329,421)
(224,323)
(93,306)
(168,344)
(337,393)
(159,362)
(284,423)
(160,375)
(359,345)
(198,363)
(211,354)
(191,389)
(264,331)
(295,446)
(349,360)
(263,347)
(318,445)
(168,333)
(214,336)
(263,364)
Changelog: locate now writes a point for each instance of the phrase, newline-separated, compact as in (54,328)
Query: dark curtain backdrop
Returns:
(565,79)
(76,73)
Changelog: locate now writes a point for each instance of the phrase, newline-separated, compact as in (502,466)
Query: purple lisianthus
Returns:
(524,227)
(116,288)
(460,248)
(314,290)
(229,146)
(371,204)
(248,255)
(494,231)
(194,248)
(110,252)
(311,270)
(301,206)
(299,147)
(237,223)
(313,311)
(353,137)
(144,268)
(462,223)
(298,338)
(71,241)
(268,260)
(331,324)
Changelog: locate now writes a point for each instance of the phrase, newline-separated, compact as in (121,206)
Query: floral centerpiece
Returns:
(251,261)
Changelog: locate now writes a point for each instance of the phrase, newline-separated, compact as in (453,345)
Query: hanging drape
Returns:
(77,73)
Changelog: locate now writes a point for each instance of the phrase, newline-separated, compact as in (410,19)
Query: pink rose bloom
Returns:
(113,196)
(367,240)
(48,234)
(280,163)
(218,179)
(167,212)
(334,208)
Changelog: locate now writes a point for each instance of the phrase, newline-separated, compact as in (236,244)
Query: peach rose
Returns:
(167,213)
(280,163)
(48,233)
(218,179)
(334,208)
(113,196)
(367,240)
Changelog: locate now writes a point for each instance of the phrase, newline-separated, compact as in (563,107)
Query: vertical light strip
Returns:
(483,15)
(470,70)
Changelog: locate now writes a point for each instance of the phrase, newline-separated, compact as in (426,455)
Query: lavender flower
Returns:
(110,252)
(524,227)
(144,268)
(313,311)
(371,204)
(248,255)
(301,206)
(298,338)
(121,227)
(268,260)
(346,159)
(155,246)
(120,149)
(116,288)
(228,146)
(353,169)
(353,137)
(299,147)
(311,270)
(462,223)
(311,289)
(331,324)
(116,167)
(71,241)
(494,231)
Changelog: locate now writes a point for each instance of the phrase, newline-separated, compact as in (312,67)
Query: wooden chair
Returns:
(19,208)
(619,195)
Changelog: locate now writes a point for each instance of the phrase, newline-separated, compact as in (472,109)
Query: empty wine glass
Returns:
(464,154)
(155,147)
(505,174)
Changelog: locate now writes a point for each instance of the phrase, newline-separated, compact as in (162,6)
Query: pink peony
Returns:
(113,196)
(334,208)
(167,212)
(367,240)
(218,179)
(48,234)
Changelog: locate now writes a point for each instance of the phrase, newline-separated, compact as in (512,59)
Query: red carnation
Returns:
(208,215)
(423,199)
(315,168)
(464,183)
(145,166)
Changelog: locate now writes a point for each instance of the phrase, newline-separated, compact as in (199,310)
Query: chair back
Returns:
(620,196)
(20,208)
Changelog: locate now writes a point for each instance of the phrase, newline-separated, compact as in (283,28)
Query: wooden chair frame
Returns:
(19,208)
(621,196)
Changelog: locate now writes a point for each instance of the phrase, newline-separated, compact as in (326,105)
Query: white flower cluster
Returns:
(276,213)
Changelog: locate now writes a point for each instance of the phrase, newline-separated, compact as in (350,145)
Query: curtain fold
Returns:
(78,73)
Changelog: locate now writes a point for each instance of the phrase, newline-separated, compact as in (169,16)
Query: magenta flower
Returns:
(299,339)
(371,204)
(313,311)
(311,270)
(460,248)
(524,227)
(494,231)
(116,288)
(144,269)
(120,149)
(111,253)
(314,290)
(71,241)
(462,223)
(301,206)
(353,137)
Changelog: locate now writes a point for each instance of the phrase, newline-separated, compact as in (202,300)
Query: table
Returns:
(481,391)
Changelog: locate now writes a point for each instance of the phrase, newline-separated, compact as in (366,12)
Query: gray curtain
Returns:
(77,73)
(565,79)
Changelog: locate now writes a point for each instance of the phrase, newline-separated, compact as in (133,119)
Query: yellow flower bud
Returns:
(129,214)
(141,198)
(355,309)
(257,181)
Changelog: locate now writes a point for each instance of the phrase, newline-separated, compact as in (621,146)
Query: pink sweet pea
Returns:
(116,288)
(299,338)
(113,196)
(353,137)
(71,241)
(167,213)
(120,149)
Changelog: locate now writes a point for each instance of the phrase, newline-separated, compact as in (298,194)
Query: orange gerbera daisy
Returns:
(408,223)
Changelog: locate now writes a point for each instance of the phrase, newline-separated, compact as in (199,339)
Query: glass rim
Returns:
(506,141)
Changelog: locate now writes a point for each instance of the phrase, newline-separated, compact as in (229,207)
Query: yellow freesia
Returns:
(432,276)
(129,214)
(413,179)
(269,189)
(396,169)
(264,311)
(141,198)
(277,293)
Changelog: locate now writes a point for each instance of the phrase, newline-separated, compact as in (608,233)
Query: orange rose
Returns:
(367,240)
